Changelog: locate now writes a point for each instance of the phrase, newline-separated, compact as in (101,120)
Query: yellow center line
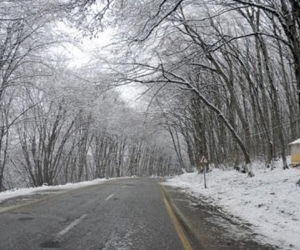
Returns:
(179,230)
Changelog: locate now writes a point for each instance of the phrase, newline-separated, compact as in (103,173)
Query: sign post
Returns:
(204,163)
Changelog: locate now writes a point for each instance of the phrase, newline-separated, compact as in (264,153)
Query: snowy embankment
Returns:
(30,191)
(270,201)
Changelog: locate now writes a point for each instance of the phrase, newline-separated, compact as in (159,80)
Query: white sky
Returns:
(82,55)
(132,94)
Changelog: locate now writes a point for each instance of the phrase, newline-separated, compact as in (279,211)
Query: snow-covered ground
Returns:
(29,191)
(270,201)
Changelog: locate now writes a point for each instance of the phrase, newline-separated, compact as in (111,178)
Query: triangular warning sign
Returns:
(203,160)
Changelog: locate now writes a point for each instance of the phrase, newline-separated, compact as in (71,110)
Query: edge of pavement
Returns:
(44,197)
(209,228)
(184,229)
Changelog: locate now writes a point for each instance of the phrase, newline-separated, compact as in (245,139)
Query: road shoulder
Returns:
(208,227)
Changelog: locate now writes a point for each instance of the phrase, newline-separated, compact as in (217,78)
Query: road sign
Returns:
(203,160)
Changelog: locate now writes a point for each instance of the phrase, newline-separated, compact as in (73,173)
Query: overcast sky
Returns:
(82,55)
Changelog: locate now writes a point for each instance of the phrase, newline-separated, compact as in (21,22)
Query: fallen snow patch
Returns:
(270,201)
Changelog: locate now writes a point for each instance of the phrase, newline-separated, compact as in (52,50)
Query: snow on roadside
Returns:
(270,201)
(29,191)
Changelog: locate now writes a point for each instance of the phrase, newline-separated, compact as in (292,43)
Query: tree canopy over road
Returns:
(219,79)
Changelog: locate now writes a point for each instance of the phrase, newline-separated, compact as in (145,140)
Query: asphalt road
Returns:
(123,214)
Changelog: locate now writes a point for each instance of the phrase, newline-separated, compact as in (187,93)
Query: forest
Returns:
(218,79)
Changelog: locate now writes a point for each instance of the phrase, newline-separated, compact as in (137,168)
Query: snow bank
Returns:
(29,191)
(270,201)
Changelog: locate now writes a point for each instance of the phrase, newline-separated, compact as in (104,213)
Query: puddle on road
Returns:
(50,244)
(25,219)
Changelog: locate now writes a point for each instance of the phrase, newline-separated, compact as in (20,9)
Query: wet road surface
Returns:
(123,214)
(117,215)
